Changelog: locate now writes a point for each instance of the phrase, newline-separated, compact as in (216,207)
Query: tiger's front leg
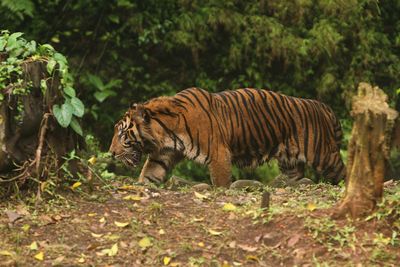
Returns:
(157,166)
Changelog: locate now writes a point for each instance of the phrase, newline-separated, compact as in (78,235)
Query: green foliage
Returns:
(130,51)
(17,51)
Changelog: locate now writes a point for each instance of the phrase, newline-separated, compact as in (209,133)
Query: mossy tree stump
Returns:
(368,151)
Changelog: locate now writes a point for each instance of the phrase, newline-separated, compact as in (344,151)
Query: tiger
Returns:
(245,127)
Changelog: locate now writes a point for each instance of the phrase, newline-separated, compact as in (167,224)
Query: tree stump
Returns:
(368,151)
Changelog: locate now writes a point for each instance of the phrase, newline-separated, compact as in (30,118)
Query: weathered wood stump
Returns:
(368,151)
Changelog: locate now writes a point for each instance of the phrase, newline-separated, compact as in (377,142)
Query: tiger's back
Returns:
(258,125)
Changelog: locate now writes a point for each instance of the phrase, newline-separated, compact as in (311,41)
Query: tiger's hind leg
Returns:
(332,168)
(157,166)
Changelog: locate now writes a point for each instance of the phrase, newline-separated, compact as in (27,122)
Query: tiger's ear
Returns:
(133,105)
(143,113)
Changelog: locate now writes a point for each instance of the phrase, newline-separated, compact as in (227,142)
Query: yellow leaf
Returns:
(43,186)
(161,232)
(311,206)
(166,260)
(26,227)
(92,160)
(39,256)
(113,237)
(145,242)
(133,197)
(229,207)
(92,214)
(5,253)
(114,250)
(200,196)
(33,246)
(81,260)
(200,244)
(175,264)
(96,235)
(102,220)
(198,219)
(213,232)
(252,258)
(121,224)
(76,185)
(225,264)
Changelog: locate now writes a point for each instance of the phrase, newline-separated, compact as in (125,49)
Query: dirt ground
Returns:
(129,225)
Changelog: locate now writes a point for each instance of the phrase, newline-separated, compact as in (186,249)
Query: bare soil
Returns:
(131,225)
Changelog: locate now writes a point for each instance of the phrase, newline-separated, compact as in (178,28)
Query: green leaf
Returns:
(43,86)
(76,126)
(15,35)
(2,44)
(50,65)
(96,81)
(69,91)
(102,95)
(63,114)
(78,107)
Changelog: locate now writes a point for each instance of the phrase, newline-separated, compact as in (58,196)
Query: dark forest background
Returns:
(128,51)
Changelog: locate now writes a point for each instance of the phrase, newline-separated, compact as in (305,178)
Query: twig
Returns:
(43,130)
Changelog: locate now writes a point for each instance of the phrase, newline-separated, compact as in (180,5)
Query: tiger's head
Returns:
(138,132)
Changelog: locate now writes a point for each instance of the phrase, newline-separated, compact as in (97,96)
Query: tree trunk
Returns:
(368,151)
(31,140)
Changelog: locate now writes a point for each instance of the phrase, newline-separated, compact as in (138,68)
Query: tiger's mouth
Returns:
(131,158)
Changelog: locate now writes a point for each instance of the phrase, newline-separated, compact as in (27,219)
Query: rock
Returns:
(283,180)
(201,187)
(247,184)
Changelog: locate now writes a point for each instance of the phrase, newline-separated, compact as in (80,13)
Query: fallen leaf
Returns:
(161,232)
(225,264)
(76,185)
(46,220)
(229,207)
(198,219)
(133,197)
(201,244)
(13,216)
(26,227)
(113,237)
(81,260)
(200,196)
(121,224)
(102,220)
(57,217)
(109,251)
(5,253)
(293,240)
(232,244)
(39,256)
(175,264)
(213,232)
(58,260)
(311,206)
(33,246)
(248,248)
(96,235)
(166,260)
(252,258)
(145,242)
(92,160)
